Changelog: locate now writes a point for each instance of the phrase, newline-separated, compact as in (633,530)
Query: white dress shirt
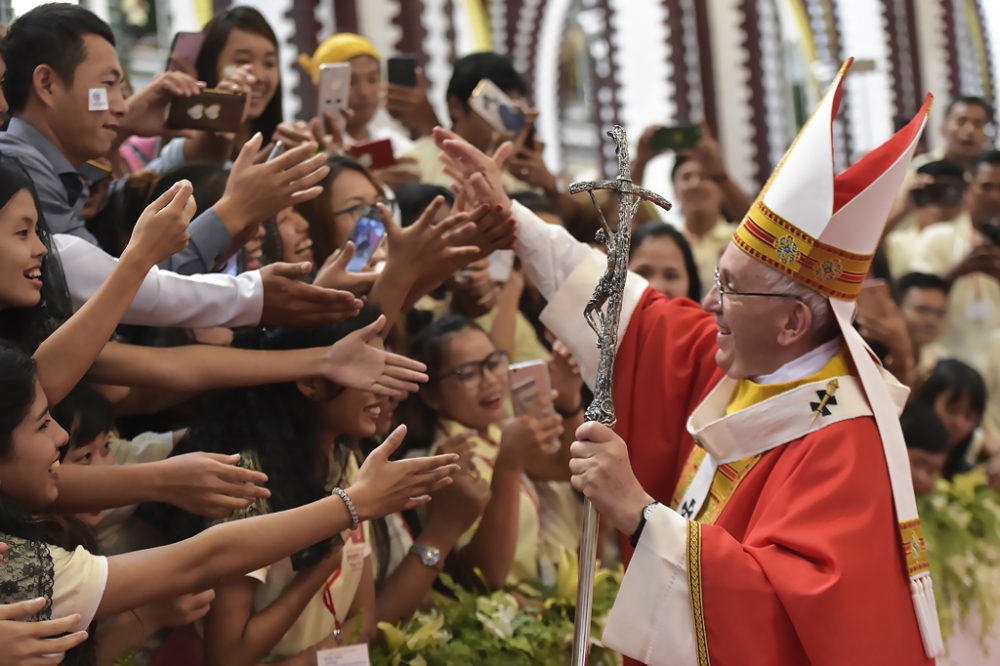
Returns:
(165,298)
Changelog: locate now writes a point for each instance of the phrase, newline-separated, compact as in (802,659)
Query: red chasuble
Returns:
(801,565)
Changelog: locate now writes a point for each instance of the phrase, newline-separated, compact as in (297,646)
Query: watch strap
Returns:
(634,539)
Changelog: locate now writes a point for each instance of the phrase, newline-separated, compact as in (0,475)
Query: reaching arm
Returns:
(351,362)
(204,483)
(67,354)
(381,487)
(235,634)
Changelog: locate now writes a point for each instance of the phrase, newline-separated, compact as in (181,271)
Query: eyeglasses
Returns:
(722,291)
(358,211)
(474,371)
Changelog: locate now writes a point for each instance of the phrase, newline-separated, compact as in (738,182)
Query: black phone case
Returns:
(402,70)
(212,110)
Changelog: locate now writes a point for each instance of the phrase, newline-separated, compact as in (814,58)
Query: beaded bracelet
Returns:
(342,494)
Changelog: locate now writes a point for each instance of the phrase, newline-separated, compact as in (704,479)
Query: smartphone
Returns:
(210,110)
(334,89)
(373,154)
(402,70)
(184,50)
(501,265)
(496,108)
(94,171)
(677,137)
(367,236)
(278,149)
(529,385)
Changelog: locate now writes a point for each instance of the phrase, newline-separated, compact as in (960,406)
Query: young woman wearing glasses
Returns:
(467,392)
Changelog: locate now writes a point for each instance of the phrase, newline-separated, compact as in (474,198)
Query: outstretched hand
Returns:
(209,484)
(355,362)
(290,302)
(382,486)
(162,229)
(462,160)
(333,274)
(35,643)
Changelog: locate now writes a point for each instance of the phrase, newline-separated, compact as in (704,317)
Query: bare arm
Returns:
(235,634)
(67,354)
(204,483)
(493,546)
(381,487)
(503,331)
(200,367)
(352,362)
(405,589)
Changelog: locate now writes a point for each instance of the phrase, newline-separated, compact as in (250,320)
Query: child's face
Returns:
(958,415)
(95,452)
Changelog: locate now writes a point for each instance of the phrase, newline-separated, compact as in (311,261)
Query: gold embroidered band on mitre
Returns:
(773,240)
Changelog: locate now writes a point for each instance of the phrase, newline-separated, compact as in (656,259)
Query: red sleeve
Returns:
(665,366)
(818,577)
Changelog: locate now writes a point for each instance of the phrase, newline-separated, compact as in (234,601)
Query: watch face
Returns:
(429,555)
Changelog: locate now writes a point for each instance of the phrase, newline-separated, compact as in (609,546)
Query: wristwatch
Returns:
(429,556)
(646,512)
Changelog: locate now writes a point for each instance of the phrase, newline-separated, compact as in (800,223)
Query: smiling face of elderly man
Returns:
(765,318)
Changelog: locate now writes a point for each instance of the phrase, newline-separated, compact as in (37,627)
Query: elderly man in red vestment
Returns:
(757,471)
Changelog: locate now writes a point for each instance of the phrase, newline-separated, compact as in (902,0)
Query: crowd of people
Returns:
(223,441)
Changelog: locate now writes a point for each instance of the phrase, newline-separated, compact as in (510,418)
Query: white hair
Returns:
(823,323)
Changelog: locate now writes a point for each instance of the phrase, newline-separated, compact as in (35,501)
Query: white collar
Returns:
(808,364)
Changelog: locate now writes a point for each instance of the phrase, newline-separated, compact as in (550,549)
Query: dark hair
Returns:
(28,327)
(471,69)
(943,169)
(679,161)
(85,413)
(113,224)
(664,230)
(51,34)
(970,100)
(989,156)
(318,212)
(414,198)
(955,380)
(216,34)
(17,392)
(275,421)
(208,182)
(429,345)
(922,429)
(920,281)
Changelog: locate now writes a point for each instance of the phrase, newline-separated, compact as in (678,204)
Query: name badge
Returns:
(351,655)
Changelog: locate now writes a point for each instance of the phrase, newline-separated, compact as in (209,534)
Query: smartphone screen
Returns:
(367,236)
(678,137)
(185,48)
(402,71)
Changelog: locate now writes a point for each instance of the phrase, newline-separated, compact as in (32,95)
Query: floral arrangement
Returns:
(522,625)
(961,521)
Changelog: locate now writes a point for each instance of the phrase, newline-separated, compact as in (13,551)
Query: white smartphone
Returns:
(496,108)
(334,89)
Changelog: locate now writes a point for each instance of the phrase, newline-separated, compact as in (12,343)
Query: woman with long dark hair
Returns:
(238,55)
(78,582)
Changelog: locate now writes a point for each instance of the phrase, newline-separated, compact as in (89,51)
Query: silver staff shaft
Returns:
(602,314)
(585,590)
